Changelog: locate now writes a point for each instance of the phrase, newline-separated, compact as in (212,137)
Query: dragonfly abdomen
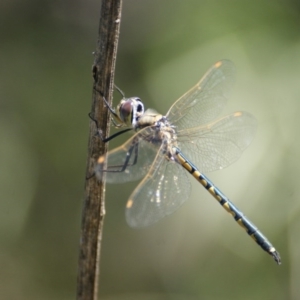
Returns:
(239,217)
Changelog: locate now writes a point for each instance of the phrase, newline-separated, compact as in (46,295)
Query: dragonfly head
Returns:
(130,110)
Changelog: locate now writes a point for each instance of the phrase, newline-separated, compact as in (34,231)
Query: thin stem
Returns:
(94,208)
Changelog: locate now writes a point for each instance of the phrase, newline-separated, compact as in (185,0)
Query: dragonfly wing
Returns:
(206,99)
(220,143)
(163,190)
(131,161)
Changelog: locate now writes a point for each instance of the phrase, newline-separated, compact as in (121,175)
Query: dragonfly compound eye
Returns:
(140,106)
(125,111)
(137,110)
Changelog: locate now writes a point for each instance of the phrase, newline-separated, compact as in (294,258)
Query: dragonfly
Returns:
(165,148)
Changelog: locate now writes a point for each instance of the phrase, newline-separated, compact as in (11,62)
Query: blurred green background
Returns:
(165,47)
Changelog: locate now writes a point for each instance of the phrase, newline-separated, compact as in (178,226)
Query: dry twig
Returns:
(94,209)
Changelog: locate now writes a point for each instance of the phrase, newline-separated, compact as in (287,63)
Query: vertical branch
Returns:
(94,209)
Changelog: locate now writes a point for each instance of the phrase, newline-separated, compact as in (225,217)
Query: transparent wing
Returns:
(131,161)
(164,189)
(216,145)
(206,99)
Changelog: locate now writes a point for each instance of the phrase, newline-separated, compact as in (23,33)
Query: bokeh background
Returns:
(165,47)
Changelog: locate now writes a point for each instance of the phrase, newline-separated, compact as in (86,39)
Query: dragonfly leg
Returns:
(99,131)
(133,150)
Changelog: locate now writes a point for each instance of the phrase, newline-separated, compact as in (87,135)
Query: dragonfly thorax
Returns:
(162,132)
(149,118)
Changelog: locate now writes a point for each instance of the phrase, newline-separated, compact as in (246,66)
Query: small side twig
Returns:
(94,209)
